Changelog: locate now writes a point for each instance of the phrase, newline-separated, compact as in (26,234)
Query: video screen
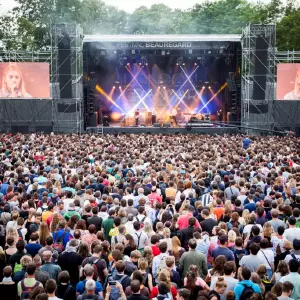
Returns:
(288,82)
(24,80)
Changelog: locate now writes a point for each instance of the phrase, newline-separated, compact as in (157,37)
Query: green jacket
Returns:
(71,213)
(193,258)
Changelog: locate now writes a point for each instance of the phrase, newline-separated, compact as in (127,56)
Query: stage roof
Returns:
(163,38)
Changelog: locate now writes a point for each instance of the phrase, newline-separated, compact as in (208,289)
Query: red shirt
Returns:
(183,221)
(153,198)
(155,250)
(219,211)
(154,292)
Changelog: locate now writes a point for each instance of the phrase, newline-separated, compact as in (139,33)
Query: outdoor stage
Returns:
(163,130)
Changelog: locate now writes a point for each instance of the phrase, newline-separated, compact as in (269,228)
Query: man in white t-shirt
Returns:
(292,232)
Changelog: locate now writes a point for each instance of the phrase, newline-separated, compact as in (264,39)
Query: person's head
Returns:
(12,80)
(88,270)
(25,261)
(135,256)
(30,269)
(50,286)
(163,246)
(170,262)
(287,288)
(192,244)
(293,265)
(20,245)
(120,266)
(220,285)
(246,273)
(90,286)
(262,271)
(282,268)
(163,288)
(264,243)
(296,244)
(183,294)
(64,277)
(135,286)
(229,268)
(230,295)
(254,248)
(223,239)
(7,271)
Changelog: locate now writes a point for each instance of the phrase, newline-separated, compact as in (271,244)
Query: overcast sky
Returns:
(127,5)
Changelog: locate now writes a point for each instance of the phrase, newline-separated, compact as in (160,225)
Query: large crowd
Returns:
(149,217)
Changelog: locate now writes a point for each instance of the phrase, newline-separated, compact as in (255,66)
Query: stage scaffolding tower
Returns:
(257,113)
(67,112)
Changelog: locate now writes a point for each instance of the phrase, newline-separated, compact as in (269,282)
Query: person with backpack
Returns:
(159,261)
(61,237)
(121,278)
(142,216)
(27,285)
(14,260)
(90,287)
(246,288)
(25,261)
(88,272)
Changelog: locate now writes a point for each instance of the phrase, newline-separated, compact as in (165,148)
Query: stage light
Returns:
(177,64)
(120,87)
(114,87)
(195,64)
(183,64)
(203,87)
(209,87)
(140,64)
(159,87)
(164,87)
(146,64)
(128,64)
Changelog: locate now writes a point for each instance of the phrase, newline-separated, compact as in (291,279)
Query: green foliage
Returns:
(27,26)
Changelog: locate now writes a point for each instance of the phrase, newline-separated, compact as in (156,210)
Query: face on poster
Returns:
(288,82)
(25,80)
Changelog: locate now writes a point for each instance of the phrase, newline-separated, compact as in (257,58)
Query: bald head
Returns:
(47,256)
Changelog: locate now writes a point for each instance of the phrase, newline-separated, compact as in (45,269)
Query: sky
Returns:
(127,5)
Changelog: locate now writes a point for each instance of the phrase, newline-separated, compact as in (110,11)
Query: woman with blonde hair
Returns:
(256,279)
(244,219)
(268,232)
(148,229)
(176,249)
(43,233)
(13,233)
(13,85)
(167,239)
(231,239)
(144,269)
(164,276)
(13,222)
(148,255)
(54,223)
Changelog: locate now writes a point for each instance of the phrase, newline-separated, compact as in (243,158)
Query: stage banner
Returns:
(25,80)
(288,81)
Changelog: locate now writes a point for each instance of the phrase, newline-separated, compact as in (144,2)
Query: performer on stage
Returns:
(136,117)
(174,115)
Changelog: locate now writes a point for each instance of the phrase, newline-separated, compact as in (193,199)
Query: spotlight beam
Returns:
(102,92)
(128,85)
(214,96)
(181,99)
(141,100)
(189,80)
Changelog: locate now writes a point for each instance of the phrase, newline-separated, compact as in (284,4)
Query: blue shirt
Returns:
(80,287)
(223,251)
(246,143)
(33,248)
(238,290)
(58,234)
(250,206)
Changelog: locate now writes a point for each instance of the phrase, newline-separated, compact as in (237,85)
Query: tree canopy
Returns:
(27,25)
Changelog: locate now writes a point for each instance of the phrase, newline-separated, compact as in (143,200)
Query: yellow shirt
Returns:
(45,215)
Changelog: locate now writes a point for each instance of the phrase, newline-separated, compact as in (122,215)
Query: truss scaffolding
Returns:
(67,113)
(258,113)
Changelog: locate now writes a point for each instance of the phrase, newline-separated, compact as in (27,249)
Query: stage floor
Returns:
(163,130)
